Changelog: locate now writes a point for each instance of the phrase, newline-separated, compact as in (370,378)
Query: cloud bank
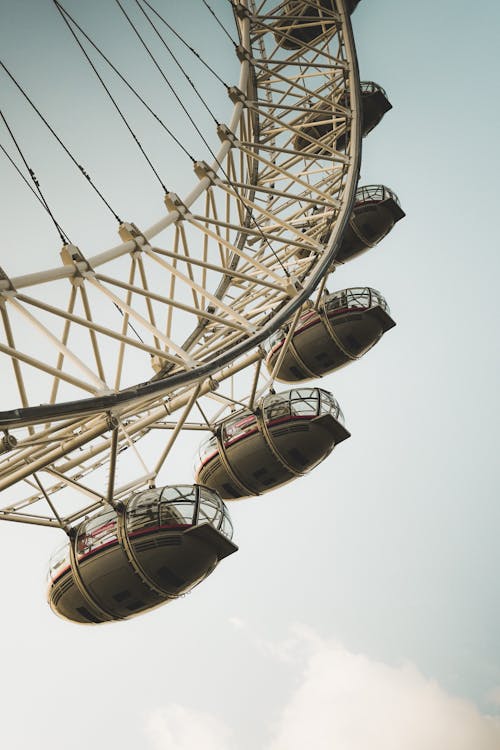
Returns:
(345,701)
(179,728)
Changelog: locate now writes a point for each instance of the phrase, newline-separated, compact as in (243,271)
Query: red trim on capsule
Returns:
(113,542)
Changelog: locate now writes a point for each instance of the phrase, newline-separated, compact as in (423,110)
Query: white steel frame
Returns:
(199,291)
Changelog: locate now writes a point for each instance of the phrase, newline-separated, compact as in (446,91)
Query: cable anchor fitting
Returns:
(6,284)
(225,134)
(174,203)
(7,443)
(242,54)
(72,256)
(129,232)
(203,170)
(236,95)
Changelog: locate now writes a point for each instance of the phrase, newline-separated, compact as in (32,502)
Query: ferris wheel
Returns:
(210,322)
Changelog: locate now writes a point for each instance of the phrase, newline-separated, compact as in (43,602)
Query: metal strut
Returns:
(133,560)
(93,603)
(272,447)
(227,465)
(331,332)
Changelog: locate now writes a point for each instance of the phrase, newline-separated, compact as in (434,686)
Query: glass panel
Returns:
(142,510)
(178,492)
(362,297)
(177,514)
(178,505)
(276,338)
(206,449)
(305,402)
(374,194)
(227,527)
(243,423)
(209,515)
(214,511)
(329,405)
(59,561)
(209,511)
(96,532)
(276,406)
(370,87)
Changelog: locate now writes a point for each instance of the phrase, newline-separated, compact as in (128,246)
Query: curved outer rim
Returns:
(159,388)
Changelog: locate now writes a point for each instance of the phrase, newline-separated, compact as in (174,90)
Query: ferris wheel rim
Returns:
(80,433)
(29,415)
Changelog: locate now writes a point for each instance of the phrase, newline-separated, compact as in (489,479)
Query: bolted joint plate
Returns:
(203,170)
(72,256)
(225,134)
(174,203)
(129,232)
(236,95)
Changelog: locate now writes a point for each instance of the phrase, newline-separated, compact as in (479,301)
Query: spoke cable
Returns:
(128,322)
(63,146)
(62,235)
(183,41)
(129,85)
(113,100)
(25,180)
(159,68)
(226,32)
(230,182)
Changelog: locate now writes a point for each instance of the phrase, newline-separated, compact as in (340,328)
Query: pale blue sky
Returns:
(390,547)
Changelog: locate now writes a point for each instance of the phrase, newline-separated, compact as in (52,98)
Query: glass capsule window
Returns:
(275,338)
(305,402)
(166,507)
(240,425)
(300,402)
(177,506)
(59,561)
(209,509)
(226,527)
(276,407)
(374,194)
(344,299)
(207,448)
(96,532)
(142,510)
(370,87)
(356,298)
(330,405)
(175,516)
(213,510)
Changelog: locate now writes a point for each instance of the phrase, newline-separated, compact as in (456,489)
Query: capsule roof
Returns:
(286,436)
(345,325)
(320,122)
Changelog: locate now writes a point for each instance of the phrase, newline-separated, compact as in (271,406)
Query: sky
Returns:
(362,608)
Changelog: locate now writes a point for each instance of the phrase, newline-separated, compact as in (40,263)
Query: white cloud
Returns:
(344,701)
(494,696)
(347,701)
(179,728)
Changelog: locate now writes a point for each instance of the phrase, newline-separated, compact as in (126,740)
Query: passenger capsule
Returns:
(303,22)
(156,546)
(286,436)
(346,325)
(376,210)
(374,105)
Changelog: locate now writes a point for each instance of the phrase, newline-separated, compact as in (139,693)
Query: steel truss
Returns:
(198,291)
